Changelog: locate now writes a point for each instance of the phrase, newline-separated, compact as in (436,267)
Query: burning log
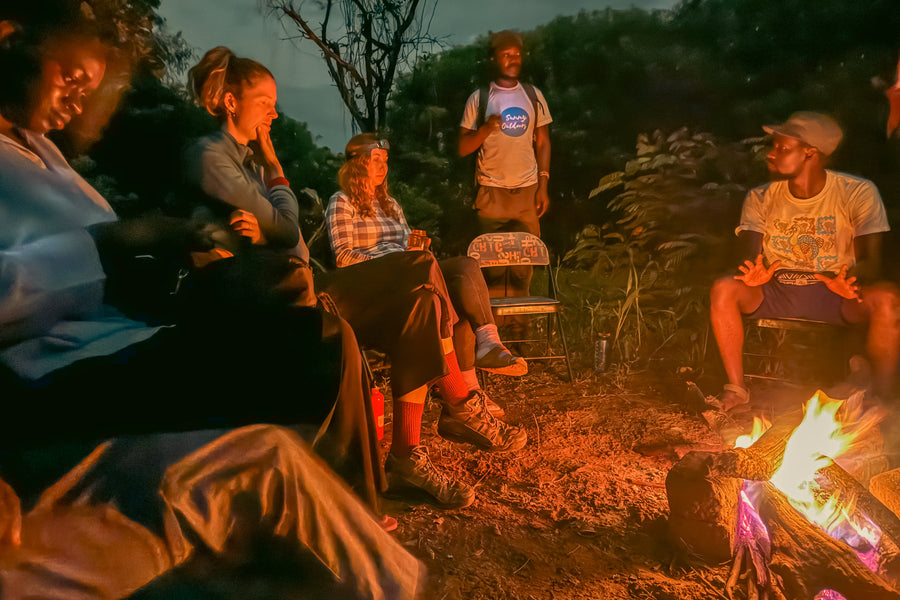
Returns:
(759,461)
(835,480)
(804,524)
(833,477)
(807,560)
(886,487)
(703,521)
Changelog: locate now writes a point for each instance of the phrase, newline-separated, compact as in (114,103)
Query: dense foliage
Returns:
(645,271)
(721,66)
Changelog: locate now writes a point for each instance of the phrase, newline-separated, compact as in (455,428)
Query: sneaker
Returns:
(472,423)
(501,361)
(415,473)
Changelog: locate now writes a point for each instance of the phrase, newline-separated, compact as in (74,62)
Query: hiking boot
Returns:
(491,406)
(471,422)
(416,474)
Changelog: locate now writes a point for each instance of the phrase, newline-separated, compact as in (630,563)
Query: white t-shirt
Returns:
(506,158)
(51,279)
(814,234)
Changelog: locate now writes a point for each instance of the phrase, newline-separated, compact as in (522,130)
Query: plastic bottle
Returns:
(378,411)
(601,347)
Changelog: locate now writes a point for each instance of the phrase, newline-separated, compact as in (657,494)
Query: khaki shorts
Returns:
(501,209)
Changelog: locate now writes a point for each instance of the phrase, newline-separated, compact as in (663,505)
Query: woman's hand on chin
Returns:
(266,152)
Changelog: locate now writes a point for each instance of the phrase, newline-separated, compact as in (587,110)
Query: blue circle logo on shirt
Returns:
(514,121)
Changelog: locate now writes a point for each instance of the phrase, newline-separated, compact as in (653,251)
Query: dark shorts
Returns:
(813,301)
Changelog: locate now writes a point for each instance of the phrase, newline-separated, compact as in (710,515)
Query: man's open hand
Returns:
(756,273)
(841,285)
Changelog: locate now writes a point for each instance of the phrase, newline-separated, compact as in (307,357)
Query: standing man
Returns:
(813,238)
(508,123)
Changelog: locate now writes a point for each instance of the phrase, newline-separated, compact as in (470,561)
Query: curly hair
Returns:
(353,177)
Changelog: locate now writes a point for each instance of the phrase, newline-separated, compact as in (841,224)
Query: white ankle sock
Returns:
(486,339)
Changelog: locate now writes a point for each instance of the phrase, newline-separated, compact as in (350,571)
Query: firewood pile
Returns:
(724,507)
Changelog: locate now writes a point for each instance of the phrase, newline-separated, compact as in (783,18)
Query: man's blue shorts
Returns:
(791,295)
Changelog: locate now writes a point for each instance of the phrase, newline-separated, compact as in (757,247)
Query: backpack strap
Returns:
(532,95)
(483,94)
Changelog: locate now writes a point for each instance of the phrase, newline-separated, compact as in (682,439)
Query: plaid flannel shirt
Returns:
(355,239)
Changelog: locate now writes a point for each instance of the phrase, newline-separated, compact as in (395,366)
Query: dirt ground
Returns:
(581,511)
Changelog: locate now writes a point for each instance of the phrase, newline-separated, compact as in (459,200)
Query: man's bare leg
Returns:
(729,300)
(881,308)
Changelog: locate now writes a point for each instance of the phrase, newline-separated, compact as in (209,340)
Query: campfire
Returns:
(790,509)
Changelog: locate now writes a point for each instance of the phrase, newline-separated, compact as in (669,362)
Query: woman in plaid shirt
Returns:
(368,230)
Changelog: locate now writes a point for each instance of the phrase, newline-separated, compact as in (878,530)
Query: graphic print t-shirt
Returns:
(814,234)
(506,159)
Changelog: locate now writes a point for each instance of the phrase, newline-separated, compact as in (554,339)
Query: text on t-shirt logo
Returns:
(514,121)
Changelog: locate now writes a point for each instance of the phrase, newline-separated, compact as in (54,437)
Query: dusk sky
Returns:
(305,91)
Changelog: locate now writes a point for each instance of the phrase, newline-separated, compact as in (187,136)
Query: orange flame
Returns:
(827,433)
(760,426)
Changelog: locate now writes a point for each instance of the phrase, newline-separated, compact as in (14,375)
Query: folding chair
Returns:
(520,248)
(795,350)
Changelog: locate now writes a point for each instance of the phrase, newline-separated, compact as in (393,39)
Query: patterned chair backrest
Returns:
(508,248)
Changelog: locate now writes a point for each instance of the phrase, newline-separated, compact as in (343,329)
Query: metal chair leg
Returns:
(562,335)
(549,327)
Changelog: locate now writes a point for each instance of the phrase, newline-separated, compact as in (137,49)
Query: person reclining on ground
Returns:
(813,236)
(73,364)
(410,320)
(136,507)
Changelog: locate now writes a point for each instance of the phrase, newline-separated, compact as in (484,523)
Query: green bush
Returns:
(648,267)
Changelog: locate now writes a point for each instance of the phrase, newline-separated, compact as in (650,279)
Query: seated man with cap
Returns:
(813,240)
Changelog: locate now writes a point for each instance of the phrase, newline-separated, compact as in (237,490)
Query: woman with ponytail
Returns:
(236,167)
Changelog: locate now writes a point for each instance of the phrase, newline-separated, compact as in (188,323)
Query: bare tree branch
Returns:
(363,50)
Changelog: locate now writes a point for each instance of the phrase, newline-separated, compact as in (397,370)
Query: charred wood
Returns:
(806,560)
